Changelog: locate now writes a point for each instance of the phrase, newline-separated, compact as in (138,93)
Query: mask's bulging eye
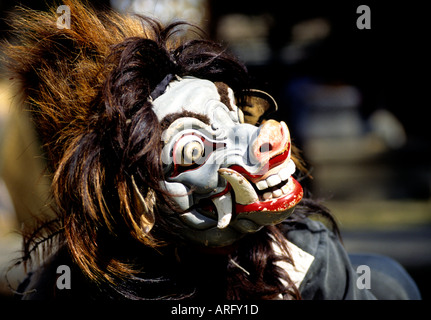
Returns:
(189,150)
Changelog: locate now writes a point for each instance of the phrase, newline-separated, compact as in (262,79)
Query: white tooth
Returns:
(223,205)
(284,174)
(244,191)
(287,188)
(261,185)
(267,195)
(277,193)
(273,180)
(291,166)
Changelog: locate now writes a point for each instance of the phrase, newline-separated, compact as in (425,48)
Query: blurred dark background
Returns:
(355,101)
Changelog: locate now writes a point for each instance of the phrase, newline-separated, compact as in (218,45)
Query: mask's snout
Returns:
(273,140)
(268,147)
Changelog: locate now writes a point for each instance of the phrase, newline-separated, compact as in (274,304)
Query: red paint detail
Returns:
(272,163)
(281,204)
(226,190)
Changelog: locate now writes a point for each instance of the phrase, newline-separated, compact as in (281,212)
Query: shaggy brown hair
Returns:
(87,89)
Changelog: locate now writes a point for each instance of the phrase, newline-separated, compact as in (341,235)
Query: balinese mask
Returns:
(229,177)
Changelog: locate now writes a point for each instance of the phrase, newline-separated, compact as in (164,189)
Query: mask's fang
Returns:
(223,205)
(244,191)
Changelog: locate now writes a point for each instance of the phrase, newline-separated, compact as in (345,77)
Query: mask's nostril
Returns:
(265,147)
(273,139)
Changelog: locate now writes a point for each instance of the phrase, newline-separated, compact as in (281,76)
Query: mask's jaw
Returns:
(270,195)
(267,194)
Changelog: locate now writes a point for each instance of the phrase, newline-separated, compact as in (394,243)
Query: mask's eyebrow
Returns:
(222,89)
(171,117)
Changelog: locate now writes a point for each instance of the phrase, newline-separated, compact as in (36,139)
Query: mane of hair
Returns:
(87,90)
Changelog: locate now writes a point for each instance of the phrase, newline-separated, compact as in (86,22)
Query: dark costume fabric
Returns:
(332,275)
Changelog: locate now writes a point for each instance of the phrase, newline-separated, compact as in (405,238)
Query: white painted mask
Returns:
(230,178)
